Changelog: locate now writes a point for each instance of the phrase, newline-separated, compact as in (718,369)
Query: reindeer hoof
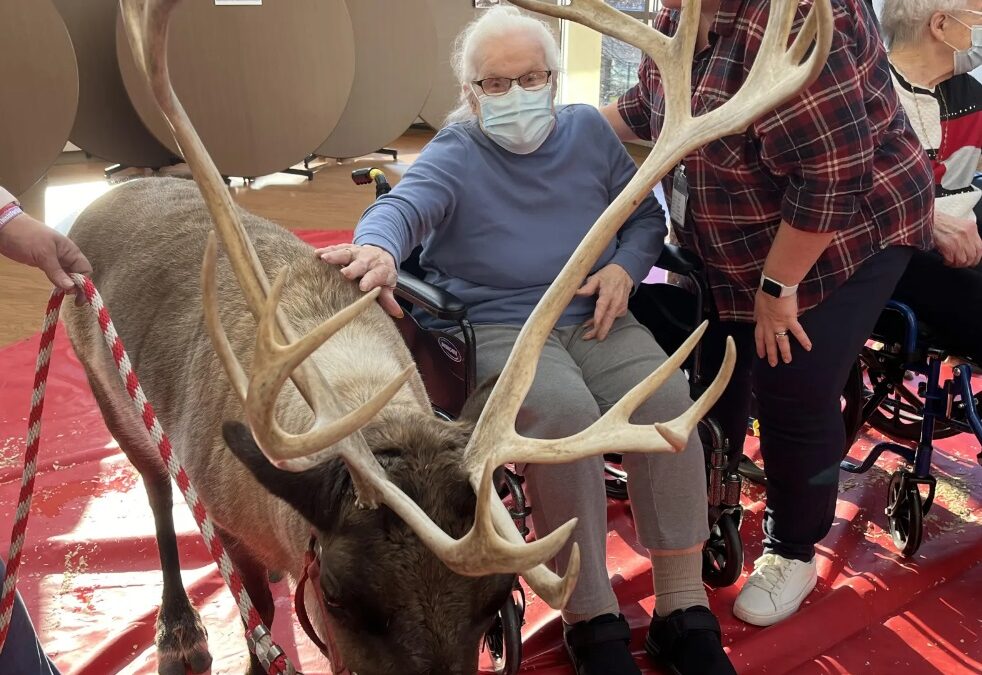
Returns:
(182,644)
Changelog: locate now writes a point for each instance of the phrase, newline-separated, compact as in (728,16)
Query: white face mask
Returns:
(967,60)
(518,120)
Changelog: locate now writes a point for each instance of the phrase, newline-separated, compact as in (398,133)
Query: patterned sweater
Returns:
(948,122)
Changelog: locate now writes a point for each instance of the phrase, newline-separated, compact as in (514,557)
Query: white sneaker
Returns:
(775,589)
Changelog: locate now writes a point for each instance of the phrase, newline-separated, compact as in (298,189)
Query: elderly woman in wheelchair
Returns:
(498,200)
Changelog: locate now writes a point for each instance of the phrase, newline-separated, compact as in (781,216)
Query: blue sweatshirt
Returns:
(496,228)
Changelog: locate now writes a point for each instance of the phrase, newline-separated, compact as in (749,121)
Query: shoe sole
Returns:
(652,650)
(771,619)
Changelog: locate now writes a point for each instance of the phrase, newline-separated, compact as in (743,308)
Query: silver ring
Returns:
(783,333)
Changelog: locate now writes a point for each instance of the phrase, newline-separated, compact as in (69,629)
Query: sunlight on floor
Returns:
(63,202)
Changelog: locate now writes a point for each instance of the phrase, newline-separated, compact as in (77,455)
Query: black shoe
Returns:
(601,646)
(687,642)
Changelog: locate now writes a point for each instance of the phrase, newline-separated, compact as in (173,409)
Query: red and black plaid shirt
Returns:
(840,157)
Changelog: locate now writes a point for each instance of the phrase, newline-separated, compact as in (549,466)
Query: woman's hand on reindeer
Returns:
(612,285)
(374,266)
(31,242)
(777,325)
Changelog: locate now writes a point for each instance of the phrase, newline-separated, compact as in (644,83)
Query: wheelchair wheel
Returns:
(905,514)
(504,639)
(854,397)
(722,556)
(899,412)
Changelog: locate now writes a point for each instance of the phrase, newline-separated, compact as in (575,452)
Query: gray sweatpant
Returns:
(575,383)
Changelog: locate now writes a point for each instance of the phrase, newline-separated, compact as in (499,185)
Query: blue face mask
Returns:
(518,120)
(967,60)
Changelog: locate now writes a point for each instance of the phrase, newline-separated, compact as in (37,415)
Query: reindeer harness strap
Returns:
(312,572)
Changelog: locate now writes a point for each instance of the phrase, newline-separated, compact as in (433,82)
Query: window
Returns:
(619,61)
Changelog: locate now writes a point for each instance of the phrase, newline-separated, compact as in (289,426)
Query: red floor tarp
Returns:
(92,582)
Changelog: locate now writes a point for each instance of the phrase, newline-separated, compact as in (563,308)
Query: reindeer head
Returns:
(457,548)
(391,605)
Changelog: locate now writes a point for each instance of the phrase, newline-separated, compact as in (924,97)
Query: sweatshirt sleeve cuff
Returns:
(375,239)
(633,264)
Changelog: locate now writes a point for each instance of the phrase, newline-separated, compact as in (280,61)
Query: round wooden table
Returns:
(395,63)
(263,85)
(449,19)
(40,91)
(106,125)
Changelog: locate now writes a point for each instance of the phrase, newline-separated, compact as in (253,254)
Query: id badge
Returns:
(680,197)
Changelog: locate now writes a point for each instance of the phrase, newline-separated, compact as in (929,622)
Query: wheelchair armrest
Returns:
(678,260)
(435,301)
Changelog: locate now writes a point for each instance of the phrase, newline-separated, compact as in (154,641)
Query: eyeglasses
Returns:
(531,81)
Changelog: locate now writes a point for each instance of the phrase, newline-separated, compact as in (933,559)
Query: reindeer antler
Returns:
(477,553)
(492,545)
(147,23)
(778,73)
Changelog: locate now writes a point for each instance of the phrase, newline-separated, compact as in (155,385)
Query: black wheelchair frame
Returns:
(876,394)
(447,365)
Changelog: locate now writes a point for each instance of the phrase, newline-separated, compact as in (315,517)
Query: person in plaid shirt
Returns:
(805,223)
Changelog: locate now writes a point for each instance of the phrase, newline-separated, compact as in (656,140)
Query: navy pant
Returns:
(948,299)
(802,435)
(22,653)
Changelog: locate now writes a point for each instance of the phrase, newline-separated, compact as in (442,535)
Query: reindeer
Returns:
(331,433)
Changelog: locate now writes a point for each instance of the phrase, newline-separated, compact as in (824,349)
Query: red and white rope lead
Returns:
(258,636)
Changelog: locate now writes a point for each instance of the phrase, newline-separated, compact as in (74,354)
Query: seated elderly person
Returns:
(933,45)
(499,200)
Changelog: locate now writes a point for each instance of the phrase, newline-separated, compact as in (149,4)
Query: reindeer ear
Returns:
(316,493)
(474,405)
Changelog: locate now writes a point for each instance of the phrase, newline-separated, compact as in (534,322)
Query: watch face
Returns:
(771,288)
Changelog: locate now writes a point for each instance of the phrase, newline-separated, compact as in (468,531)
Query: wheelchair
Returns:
(447,363)
(939,406)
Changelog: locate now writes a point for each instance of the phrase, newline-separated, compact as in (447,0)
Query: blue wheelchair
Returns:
(939,406)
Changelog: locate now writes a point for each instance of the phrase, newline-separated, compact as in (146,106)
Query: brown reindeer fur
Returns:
(395,608)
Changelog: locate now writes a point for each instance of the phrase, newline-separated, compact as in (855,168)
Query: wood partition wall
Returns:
(40,91)
(395,63)
(266,85)
(263,84)
(106,125)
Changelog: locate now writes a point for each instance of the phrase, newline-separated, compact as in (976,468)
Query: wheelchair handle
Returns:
(366,176)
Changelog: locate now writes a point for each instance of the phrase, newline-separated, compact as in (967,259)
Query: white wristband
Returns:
(9,212)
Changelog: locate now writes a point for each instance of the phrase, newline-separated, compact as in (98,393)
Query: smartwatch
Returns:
(776,288)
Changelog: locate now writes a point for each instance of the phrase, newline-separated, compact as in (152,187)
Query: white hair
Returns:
(493,24)
(904,21)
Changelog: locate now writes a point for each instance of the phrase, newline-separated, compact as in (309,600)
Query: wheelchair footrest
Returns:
(874,454)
